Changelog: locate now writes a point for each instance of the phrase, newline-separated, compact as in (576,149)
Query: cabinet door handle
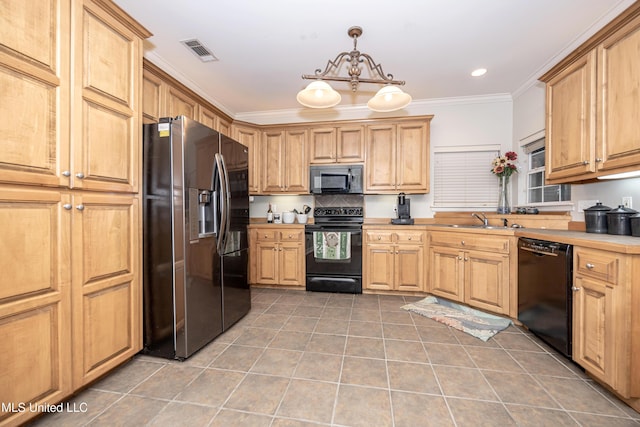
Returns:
(66,173)
(574,289)
(67,206)
(80,207)
(79,175)
(590,266)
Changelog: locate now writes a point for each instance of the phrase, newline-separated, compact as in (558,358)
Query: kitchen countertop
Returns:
(608,242)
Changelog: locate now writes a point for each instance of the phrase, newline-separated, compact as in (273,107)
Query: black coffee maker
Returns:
(404,211)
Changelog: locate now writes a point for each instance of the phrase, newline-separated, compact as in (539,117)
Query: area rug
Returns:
(473,322)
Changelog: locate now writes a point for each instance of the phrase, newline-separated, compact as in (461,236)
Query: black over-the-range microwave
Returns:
(332,179)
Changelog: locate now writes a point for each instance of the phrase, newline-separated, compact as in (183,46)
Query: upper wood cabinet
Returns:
(105,137)
(397,157)
(90,141)
(285,168)
(164,96)
(342,144)
(34,76)
(249,136)
(593,97)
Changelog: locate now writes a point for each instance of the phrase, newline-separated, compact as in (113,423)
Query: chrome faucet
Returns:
(484,219)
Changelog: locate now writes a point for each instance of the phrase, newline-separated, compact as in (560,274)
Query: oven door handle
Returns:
(332,230)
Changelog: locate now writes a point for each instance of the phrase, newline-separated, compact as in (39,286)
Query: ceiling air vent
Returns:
(199,50)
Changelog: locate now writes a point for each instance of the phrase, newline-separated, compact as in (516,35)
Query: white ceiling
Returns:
(264,46)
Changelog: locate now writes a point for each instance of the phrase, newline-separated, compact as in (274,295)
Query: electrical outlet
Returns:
(584,204)
(626,202)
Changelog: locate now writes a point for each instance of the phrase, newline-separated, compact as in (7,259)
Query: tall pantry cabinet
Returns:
(70,217)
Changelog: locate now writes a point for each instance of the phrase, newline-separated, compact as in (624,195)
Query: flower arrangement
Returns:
(505,165)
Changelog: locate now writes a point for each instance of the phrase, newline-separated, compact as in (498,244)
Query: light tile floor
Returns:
(318,359)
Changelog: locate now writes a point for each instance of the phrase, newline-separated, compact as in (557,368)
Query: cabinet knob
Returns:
(466,259)
(590,266)
(462,242)
(290,236)
(275,249)
(80,207)
(379,237)
(574,289)
(397,252)
(598,160)
(266,236)
(409,237)
(459,257)
(66,173)
(586,162)
(79,175)
(280,249)
(67,206)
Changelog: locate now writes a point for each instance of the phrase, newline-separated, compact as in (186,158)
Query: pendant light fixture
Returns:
(319,94)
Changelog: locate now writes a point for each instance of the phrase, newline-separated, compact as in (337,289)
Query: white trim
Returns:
(532,138)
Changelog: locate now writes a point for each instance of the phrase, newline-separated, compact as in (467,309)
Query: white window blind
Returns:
(463,177)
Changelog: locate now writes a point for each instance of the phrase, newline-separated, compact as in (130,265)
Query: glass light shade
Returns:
(389,98)
(318,94)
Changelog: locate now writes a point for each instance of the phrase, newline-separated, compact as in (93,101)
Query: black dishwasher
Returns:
(545,298)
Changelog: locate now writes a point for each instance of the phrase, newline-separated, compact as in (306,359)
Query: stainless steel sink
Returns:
(488,227)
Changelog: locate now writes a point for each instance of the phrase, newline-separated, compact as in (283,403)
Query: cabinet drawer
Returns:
(469,241)
(410,236)
(597,264)
(291,235)
(266,235)
(379,236)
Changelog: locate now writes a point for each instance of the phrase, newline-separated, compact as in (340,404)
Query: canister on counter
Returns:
(618,220)
(595,218)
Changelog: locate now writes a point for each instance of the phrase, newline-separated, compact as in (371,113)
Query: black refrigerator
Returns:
(195,245)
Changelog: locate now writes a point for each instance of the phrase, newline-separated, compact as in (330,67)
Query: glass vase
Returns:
(503,195)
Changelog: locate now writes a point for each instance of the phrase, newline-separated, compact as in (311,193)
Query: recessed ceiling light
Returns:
(479,72)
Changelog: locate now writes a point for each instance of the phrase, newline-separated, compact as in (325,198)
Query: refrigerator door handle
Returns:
(224,202)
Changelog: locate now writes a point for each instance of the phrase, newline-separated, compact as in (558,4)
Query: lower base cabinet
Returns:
(394,259)
(606,319)
(70,300)
(277,255)
(475,269)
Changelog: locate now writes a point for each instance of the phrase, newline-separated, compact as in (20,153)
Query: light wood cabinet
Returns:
(397,157)
(277,255)
(285,167)
(394,259)
(342,144)
(35,298)
(474,269)
(249,136)
(592,99)
(106,283)
(74,78)
(604,318)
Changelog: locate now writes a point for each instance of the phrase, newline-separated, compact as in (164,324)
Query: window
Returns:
(537,191)
(463,178)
